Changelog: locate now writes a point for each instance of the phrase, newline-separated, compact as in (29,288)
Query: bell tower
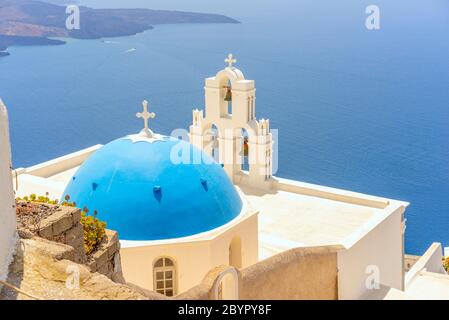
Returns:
(229,131)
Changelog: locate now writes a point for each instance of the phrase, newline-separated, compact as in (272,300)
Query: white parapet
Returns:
(8,233)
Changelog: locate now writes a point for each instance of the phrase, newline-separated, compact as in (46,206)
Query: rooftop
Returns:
(311,215)
(426,280)
(293,214)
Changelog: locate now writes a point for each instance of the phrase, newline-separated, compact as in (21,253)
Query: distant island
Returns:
(30,22)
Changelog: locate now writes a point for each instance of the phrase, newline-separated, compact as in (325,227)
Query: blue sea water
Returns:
(356,109)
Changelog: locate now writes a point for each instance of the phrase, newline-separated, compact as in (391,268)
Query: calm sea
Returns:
(356,109)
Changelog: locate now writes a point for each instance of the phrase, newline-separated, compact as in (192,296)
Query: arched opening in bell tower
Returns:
(244,149)
(212,143)
(228,98)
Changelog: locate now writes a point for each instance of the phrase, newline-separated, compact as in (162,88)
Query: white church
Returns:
(183,208)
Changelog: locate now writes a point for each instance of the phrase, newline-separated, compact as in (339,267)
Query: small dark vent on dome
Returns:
(204,183)
(73,178)
(94,186)
(157,191)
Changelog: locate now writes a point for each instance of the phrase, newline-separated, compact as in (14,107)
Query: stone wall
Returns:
(45,269)
(7,212)
(106,260)
(297,274)
(64,226)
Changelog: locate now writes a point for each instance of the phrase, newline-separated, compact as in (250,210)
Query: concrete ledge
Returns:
(329,193)
(29,184)
(55,166)
(431,260)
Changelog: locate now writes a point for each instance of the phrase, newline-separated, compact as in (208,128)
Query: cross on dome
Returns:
(145,135)
(230,60)
(146,116)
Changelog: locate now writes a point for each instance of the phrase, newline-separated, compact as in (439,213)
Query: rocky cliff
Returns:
(29,22)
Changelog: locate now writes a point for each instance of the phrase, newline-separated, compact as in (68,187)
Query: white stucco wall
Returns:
(381,249)
(7,211)
(193,259)
(430,261)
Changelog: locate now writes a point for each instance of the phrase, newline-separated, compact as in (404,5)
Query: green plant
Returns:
(94,230)
(446,263)
(38,199)
(67,202)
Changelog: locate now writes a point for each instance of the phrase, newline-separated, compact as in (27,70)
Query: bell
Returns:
(228,96)
(245,149)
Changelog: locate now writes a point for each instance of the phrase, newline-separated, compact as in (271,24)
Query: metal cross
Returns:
(145,115)
(230,60)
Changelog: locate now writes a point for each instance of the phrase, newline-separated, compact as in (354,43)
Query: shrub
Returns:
(67,202)
(38,199)
(94,231)
(446,263)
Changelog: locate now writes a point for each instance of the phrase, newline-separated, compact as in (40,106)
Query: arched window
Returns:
(164,277)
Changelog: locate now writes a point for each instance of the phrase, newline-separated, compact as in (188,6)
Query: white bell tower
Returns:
(230,128)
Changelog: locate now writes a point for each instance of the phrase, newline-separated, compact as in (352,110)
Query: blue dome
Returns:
(141,193)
